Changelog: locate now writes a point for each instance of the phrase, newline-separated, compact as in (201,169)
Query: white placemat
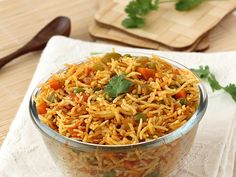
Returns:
(24,154)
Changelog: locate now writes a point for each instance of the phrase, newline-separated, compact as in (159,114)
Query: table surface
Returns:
(21,19)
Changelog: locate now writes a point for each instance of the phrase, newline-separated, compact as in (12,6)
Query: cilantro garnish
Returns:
(133,22)
(136,10)
(183,5)
(204,73)
(231,89)
(117,85)
(213,82)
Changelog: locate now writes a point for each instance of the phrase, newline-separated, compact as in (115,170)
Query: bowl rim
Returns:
(168,138)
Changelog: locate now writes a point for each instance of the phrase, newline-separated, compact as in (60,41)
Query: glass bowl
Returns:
(155,158)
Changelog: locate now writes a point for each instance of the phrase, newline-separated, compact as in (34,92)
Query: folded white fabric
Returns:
(24,154)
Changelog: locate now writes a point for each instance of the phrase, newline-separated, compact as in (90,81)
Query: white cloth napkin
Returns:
(24,154)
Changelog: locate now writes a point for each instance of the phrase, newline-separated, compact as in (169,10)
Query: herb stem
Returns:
(167,1)
(204,73)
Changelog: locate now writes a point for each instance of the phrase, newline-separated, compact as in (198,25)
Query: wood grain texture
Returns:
(21,19)
(109,33)
(168,26)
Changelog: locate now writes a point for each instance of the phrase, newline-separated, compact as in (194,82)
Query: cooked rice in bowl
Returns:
(120,100)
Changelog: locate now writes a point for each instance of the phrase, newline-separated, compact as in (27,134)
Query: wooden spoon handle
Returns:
(29,47)
(10,57)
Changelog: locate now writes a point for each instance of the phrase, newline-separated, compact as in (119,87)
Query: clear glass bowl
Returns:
(156,158)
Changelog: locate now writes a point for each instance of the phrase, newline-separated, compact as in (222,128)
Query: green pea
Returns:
(127,55)
(143,60)
(153,174)
(98,67)
(78,90)
(146,89)
(52,98)
(111,173)
(107,57)
(96,89)
(152,65)
(183,102)
(139,116)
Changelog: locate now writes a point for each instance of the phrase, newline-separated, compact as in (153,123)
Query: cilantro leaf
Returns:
(231,89)
(184,5)
(141,7)
(147,6)
(134,22)
(117,85)
(132,9)
(202,72)
(213,82)
(136,10)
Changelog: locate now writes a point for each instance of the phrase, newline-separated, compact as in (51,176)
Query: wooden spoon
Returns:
(59,26)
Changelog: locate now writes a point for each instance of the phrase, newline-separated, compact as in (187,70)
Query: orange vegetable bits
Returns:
(55,84)
(41,108)
(176,71)
(88,71)
(72,96)
(129,164)
(146,73)
(149,115)
(85,97)
(180,94)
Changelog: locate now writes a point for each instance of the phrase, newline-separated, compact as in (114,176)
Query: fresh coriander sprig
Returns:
(231,89)
(183,5)
(136,10)
(117,85)
(204,73)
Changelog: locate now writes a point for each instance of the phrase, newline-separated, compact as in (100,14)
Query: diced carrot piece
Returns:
(176,106)
(85,96)
(176,71)
(74,134)
(83,107)
(149,115)
(146,73)
(70,130)
(88,71)
(180,94)
(129,164)
(108,155)
(55,84)
(187,111)
(41,108)
(87,80)
(72,96)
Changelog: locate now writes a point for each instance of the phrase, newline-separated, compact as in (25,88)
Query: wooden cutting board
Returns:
(168,26)
(106,32)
